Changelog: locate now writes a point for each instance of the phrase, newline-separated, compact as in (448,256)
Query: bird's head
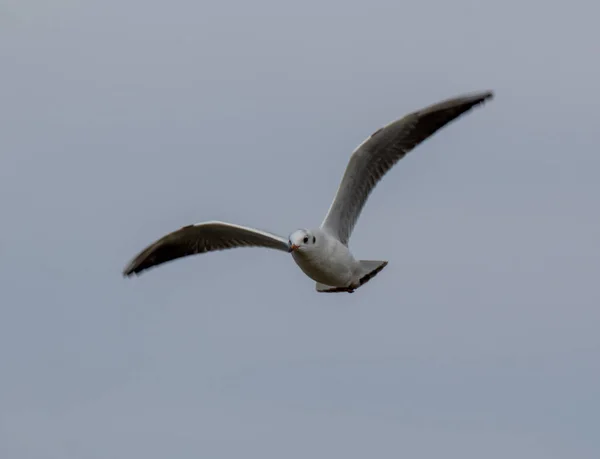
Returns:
(301,240)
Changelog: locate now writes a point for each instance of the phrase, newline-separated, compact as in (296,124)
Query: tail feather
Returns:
(329,289)
(368,270)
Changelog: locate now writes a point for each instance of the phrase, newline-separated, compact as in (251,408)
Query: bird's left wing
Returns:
(202,238)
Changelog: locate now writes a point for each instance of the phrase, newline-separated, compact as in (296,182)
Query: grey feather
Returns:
(381,151)
(202,238)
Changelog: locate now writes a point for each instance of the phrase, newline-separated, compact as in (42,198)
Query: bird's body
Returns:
(329,262)
(322,253)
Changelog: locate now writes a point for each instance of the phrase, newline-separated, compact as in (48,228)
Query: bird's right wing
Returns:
(378,154)
(202,238)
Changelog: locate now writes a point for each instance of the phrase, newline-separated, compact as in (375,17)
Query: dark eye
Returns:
(305,239)
(314,239)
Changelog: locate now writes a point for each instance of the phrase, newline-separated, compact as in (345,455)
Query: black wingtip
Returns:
(130,270)
(480,96)
(485,95)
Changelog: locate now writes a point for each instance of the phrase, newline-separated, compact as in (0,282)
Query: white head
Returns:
(302,240)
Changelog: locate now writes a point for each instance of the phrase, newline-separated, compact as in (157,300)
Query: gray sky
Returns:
(123,120)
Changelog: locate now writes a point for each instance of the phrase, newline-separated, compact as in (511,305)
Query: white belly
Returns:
(332,264)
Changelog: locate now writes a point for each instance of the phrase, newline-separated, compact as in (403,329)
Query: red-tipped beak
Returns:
(293,247)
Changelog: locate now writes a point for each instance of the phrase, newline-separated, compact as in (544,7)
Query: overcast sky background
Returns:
(124,120)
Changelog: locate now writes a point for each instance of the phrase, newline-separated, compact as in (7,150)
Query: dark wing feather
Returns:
(202,238)
(378,154)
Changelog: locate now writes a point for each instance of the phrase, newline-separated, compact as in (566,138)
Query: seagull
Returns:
(322,253)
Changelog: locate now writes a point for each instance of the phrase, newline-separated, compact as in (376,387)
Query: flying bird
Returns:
(322,253)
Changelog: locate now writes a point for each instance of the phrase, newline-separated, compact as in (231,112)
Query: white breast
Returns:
(328,261)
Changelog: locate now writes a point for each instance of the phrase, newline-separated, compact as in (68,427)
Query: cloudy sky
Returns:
(124,120)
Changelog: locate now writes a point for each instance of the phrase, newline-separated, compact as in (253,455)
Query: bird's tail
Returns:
(368,270)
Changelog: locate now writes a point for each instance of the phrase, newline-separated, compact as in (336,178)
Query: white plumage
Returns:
(322,253)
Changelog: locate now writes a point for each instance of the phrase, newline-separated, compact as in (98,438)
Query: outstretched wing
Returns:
(202,238)
(377,154)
